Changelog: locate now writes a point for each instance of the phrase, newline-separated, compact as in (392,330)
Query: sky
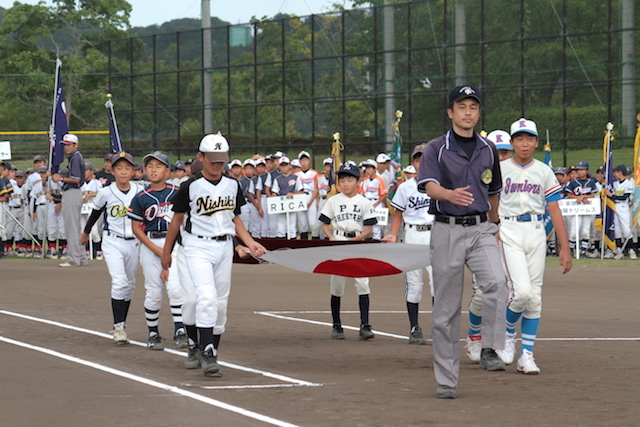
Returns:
(149,12)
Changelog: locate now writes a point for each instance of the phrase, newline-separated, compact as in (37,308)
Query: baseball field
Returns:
(280,366)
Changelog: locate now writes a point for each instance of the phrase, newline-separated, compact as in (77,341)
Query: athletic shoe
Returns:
(593,254)
(209,363)
(99,256)
(619,254)
(180,339)
(490,361)
(52,254)
(416,336)
(509,353)
(337,333)
(119,334)
(29,253)
(632,254)
(193,358)
(365,332)
(66,264)
(526,364)
(474,345)
(155,342)
(608,254)
(22,252)
(446,392)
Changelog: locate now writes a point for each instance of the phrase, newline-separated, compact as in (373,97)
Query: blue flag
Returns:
(59,127)
(116,144)
(609,206)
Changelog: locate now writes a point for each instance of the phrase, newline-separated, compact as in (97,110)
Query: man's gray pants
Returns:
(453,246)
(71,207)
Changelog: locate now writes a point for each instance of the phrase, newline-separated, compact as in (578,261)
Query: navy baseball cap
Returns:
(582,164)
(179,165)
(459,93)
(560,169)
(116,157)
(161,157)
(349,169)
(623,168)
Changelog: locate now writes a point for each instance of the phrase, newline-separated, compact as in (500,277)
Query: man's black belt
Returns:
(465,221)
(223,238)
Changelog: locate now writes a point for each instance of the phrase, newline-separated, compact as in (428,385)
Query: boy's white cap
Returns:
(296,163)
(501,139)
(327,161)
(248,162)
(351,162)
(382,158)
(284,160)
(215,147)
(524,125)
(260,161)
(69,138)
(409,169)
(235,162)
(304,154)
(370,163)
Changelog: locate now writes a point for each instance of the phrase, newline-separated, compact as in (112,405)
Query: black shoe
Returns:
(490,361)
(209,363)
(193,358)
(365,332)
(446,392)
(155,343)
(416,336)
(337,333)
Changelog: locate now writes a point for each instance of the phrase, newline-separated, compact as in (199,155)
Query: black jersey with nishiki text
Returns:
(209,206)
(153,208)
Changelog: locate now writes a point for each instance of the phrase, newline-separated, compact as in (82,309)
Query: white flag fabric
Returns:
(361,260)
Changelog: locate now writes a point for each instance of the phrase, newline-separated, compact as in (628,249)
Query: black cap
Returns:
(349,169)
(582,164)
(39,158)
(459,93)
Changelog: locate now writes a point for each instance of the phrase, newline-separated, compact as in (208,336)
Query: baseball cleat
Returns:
(155,342)
(337,333)
(490,361)
(366,333)
(66,264)
(446,392)
(119,334)
(416,336)
(193,358)
(209,363)
(632,254)
(618,254)
(474,346)
(180,339)
(509,353)
(527,364)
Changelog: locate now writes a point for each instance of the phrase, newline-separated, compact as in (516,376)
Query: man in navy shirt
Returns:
(460,171)
(72,201)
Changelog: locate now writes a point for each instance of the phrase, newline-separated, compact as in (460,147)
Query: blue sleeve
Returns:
(554,197)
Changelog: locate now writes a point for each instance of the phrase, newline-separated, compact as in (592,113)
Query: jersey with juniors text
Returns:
(622,191)
(348,213)
(209,206)
(582,187)
(115,204)
(413,204)
(309,180)
(373,188)
(153,208)
(285,184)
(527,189)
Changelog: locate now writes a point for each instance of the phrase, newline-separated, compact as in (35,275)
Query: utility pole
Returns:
(460,38)
(389,74)
(207,95)
(628,69)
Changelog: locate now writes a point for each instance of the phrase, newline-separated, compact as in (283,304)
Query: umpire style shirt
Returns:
(76,170)
(446,163)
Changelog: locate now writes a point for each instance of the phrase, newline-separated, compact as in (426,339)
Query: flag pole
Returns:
(52,141)
(116,143)
(607,174)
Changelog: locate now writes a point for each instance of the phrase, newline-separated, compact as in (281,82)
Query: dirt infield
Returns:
(281,366)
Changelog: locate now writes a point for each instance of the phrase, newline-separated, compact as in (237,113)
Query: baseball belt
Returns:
(349,234)
(157,234)
(465,221)
(524,218)
(420,227)
(216,238)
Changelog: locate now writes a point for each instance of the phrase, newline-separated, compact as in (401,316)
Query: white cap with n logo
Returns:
(215,147)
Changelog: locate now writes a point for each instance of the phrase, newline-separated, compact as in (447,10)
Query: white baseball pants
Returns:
(121,257)
(153,285)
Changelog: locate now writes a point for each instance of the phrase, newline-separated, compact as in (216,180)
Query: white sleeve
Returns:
(275,188)
(299,186)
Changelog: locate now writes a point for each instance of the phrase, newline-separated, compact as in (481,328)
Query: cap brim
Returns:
(465,96)
(113,162)
(217,157)
(504,147)
(148,157)
(529,131)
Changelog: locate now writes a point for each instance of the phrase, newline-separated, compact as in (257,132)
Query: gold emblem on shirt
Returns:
(487,176)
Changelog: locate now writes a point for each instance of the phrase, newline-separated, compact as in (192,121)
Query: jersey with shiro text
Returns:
(348,213)
(209,206)
(413,204)
(116,203)
(527,189)
(153,208)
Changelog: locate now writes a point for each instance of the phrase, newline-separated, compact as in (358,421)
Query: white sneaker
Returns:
(608,254)
(632,254)
(526,364)
(474,347)
(66,264)
(619,254)
(593,254)
(509,353)
(119,334)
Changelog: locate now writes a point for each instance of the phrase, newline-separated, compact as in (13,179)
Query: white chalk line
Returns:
(279,377)
(280,315)
(152,383)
